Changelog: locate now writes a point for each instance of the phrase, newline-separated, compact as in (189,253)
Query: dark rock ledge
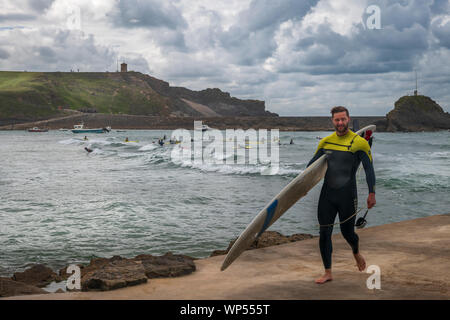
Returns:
(103,274)
(267,239)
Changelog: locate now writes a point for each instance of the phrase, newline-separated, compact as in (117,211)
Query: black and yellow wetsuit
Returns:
(339,194)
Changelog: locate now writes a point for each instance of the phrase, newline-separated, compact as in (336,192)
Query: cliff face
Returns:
(417,113)
(197,103)
(31,96)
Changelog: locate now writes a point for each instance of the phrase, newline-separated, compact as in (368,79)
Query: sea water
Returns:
(61,205)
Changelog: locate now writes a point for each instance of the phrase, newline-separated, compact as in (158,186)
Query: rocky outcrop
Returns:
(221,103)
(9,288)
(109,274)
(267,239)
(103,274)
(99,120)
(168,265)
(38,275)
(63,272)
(417,113)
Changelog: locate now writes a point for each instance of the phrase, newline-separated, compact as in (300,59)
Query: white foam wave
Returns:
(240,169)
(148,147)
(71,141)
(97,151)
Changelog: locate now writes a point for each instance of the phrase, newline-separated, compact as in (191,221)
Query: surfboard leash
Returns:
(334,224)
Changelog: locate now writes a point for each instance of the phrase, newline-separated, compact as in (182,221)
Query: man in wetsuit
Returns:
(345,150)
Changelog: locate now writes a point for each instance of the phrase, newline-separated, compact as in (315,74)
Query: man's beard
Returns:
(341,129)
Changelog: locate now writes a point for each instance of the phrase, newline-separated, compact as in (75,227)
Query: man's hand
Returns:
(371,200)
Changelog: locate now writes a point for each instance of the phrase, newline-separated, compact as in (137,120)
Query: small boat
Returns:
(79,128)
(36,129)
(204,128)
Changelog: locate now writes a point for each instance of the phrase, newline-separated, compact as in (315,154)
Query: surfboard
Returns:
(287,197)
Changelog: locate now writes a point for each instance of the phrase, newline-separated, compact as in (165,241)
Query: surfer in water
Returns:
(345,150)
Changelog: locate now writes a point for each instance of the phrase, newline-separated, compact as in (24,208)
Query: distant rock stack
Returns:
(416,113)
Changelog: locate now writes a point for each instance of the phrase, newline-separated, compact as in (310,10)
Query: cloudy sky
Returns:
(300,56)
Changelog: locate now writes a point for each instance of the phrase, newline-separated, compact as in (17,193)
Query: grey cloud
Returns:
(47,54)
(16,17)
(404,13)
(4,54)
(169,39)
(266,13)
(206,36)
(186,68)
(442,32)
(12,28)
(396,47)
(249,49)
(68,50)
(147,14)
(40,5)
(440,6)
(251,39)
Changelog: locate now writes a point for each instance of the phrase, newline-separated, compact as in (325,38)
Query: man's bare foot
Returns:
(360,262)
(326,277)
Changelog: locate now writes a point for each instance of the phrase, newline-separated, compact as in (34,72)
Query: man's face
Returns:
(340,122)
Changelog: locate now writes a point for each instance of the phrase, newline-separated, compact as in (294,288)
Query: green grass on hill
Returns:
(34,95)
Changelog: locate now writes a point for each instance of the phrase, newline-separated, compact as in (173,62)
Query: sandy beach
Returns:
(413,257)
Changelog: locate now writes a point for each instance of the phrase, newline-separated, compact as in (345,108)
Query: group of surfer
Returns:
(88,150)
(161,141)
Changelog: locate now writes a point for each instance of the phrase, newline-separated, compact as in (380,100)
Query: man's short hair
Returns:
(339,109)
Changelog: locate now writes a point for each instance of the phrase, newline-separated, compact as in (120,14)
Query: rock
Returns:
(10,288)
(218,253)
(109,274)
(60,291)
(38,275)
(168,265)
(267,239)
(63,272)
(417,113)
(300,237)
(117,272)
(100,262)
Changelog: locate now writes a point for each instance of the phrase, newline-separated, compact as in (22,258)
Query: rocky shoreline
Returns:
(133,122)
(104,274)
(410,114)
